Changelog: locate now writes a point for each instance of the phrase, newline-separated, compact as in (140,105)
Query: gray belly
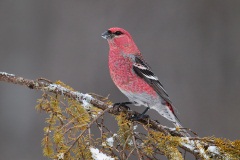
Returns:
(142,99)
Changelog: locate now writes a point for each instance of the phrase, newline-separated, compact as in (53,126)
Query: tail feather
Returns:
(168,112)
(178,124)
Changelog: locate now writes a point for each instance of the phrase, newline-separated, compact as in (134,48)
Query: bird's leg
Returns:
(145,111)
(123,104)
(142,115)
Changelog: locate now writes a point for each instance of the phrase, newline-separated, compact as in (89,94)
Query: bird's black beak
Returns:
(107,35)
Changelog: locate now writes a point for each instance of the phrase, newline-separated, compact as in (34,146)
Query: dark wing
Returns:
(144,71)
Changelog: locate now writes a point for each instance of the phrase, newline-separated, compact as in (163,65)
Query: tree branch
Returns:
(197,146)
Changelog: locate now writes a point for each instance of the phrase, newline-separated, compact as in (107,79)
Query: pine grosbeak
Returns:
(134,77)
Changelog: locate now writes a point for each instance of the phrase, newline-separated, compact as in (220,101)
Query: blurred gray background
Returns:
(193,47)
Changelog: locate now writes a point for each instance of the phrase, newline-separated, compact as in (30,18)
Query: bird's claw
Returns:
(123,104)
(136,117)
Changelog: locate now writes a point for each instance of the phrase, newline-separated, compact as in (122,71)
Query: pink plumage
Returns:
(134,77)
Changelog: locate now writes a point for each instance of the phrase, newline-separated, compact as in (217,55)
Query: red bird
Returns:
(134,77)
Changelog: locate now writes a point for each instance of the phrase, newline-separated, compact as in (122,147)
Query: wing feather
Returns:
(143,70)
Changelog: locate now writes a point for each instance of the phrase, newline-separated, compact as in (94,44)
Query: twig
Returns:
(89,125)
(135,145)
(45,85)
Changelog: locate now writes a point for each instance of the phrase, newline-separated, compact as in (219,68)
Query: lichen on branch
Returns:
(76,129)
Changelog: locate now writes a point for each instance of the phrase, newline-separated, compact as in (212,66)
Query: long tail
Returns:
(168,112)
(178,124)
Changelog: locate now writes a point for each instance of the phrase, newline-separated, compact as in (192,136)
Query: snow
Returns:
(110,141)
(6,74)
(95,115)
(53,87)
(135,127)
(96,155)
(130,143)
(188,143)
(202,151)
(213,149)
(85,98)
(173,129)
(86,105)
(60,156)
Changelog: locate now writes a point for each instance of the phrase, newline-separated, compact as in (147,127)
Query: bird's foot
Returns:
(121,104)
(137,117)
(141,116)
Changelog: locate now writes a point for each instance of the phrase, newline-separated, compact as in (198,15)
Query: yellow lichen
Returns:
(67,118)
(124,131)
(68,134)
(166,144)
(229,148)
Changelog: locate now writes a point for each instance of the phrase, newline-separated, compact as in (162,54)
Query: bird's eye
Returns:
(118,33)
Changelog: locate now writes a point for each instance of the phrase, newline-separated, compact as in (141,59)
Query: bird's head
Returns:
(121,39)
